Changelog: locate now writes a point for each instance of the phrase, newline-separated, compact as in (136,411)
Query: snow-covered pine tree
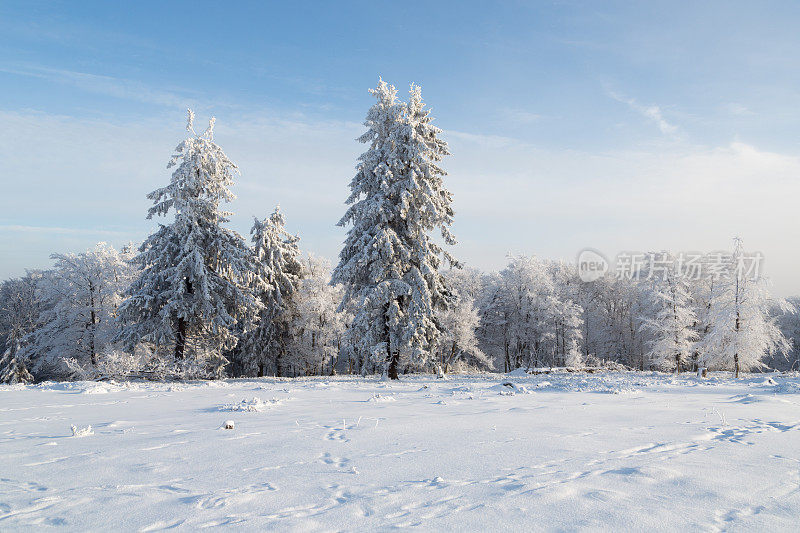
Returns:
(20,307)
(742,331)
(277,273)
(389,264)
(12,367)
(673,337)
(193,288)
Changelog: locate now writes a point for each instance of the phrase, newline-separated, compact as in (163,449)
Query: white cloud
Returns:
(651,112)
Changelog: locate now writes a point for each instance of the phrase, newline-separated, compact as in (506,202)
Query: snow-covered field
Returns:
(616,451)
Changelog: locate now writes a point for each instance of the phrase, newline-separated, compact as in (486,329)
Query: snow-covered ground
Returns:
(616,451)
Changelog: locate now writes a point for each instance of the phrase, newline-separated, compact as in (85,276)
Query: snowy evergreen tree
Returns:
(389,264)
(742,331)
(671,326)
(277,273)
(789,324)
(12,367)
(193,288)
(20,308)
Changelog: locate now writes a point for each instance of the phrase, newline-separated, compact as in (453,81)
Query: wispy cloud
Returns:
(121,88)
(521,116)
(61,231)
(651,112)
(738,109)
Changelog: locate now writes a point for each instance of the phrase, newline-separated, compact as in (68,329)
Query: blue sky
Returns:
(617,126)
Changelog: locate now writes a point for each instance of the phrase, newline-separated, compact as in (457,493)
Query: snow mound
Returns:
(96,388)
(507,388)
(618,390)
(787,387)
(746,398)
(381,398)
(519,372)
(81,432)
(254,405)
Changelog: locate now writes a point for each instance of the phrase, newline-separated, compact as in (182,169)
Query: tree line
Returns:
(195,299)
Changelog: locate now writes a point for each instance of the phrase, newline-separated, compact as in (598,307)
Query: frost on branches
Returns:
(193,287)
(530,316)
(458,342)
(318,327)
(741,330)
(671,325)
(389,264)
(277,272)
(80,297)
(19,317)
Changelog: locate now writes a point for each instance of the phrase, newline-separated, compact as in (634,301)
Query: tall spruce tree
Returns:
(277,273)
(389,264)
(193,288)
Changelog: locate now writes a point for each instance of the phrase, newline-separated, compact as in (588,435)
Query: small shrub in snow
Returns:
(81,432)
(255,405)
(381,398)
(508,388)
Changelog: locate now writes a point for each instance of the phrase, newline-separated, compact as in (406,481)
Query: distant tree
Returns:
(789,324)
(193,288)
(389,264)
(20,308)
(318,326)
(568,315)
(742,331)
(81,296)
(458,342)
(12,367)
(671,327)
(277,272)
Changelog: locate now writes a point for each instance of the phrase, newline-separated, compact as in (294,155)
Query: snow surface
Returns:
(616,451)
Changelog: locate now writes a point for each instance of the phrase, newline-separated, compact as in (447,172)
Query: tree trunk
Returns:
(736,355)
(92,325)
(394,361)
(180,340)
(182,330)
